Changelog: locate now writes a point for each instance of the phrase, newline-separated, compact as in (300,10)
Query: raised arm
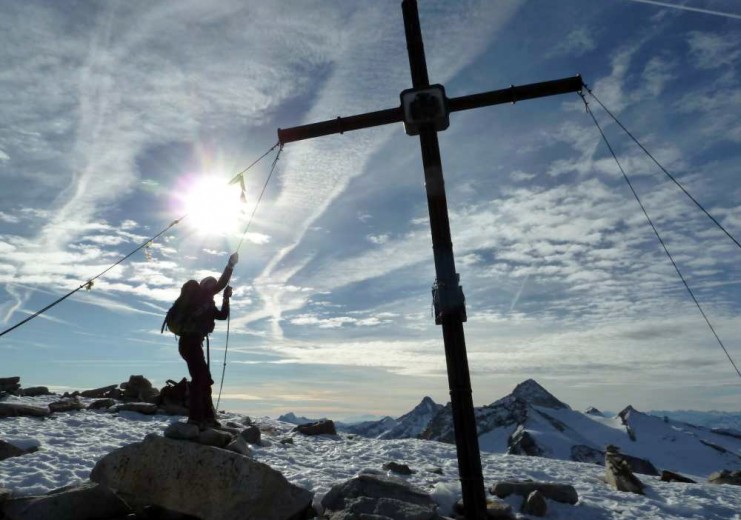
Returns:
(227,274)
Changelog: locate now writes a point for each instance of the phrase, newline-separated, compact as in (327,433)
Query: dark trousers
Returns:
(201,406)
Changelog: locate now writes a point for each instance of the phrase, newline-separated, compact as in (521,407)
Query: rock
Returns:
(251,434)
(401,469)
(563,493)
(437,470)
(145,408)
(139,388)
(522,443)
(162,472)
(619,476)
(71,404)
(87,501)
(639,465)
(22,410)
(216,438)
(34,391)
(726,477)
(239,445)
(495,509)
(97,393)
(172,409)
(535,504)
(364,488)
(101,404)
(287,440)
(383,509)
(182,431)
(10,384)
(670,476)
(323,427)
(8,450)
(584,453)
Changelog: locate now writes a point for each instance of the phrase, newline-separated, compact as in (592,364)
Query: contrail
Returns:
(687,8)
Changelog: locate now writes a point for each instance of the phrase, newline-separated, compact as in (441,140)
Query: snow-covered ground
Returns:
(71,443)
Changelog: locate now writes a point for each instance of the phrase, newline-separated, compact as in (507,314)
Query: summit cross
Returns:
(425,110)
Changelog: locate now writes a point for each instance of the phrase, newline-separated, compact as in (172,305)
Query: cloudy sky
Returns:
(118,117)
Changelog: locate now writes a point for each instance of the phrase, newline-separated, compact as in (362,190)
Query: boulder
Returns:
(618,474)
(87,501)
(563,493)
(181,431)
(522,443)
(395,467)
(22,410)
(214,437)
(726,477)
(495,509)
(34,391)
(378,495)
(101,404)
(323,427)
(8,450)
(71,404)
(535,504)
(251,434)
(139,388)
(98,393)
(239,445)
(162,472)
(670,476)
(145,408)
(10,384)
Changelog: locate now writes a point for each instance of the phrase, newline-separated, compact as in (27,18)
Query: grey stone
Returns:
(671,476)
(182,431)
(101,404)
(22,410)
(34,391)
(374,486)
(71,404)
(213,437)
(144,408)
(139,388)
(495,509)
(726,477)
(10,383)
(239,445)
(619,476)
(96,393)
(8,450)
(535,504)
(559,492)
(401,469)
(87,501)
(384,508)
(323,427)
(437,470)
(251,434)
(160,471)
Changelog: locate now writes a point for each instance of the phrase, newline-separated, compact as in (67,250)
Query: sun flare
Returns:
(212,206)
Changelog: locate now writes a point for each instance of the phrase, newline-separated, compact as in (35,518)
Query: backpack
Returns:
(186,314)
(175,393)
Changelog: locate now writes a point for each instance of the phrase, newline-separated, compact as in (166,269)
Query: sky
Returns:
(119,117)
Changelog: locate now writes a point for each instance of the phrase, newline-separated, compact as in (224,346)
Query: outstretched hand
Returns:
(228,292)
(233,259)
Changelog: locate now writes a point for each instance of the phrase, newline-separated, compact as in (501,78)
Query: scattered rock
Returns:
(22,410)
(216,438)
(139,388)
(522,443)
(160,471)
(87,501)
(323,427)
(558,492)
(101,404)
(251,434)
(401,469)
(34,391)
(437,470)
(182,431)
(618,474)
(495,509)
(239,445)
(726,477)
(535,504)
(97,393)
(380,496)
(8,450)
(71,404)
(670,476)
(145,408)
(10,385)
(584,453)
(287,440)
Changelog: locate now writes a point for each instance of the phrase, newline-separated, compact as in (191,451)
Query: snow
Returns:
(71,443)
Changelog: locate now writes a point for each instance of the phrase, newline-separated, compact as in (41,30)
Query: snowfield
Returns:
(71,443)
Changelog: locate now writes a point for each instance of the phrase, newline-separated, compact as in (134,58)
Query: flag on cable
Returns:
(239,178)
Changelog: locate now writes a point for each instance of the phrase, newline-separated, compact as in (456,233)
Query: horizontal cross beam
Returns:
(512,94)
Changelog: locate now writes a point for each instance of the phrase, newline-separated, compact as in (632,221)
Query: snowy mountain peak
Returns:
(426,406)
(532,393)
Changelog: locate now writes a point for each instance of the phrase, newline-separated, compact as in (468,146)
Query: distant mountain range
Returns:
(531,421)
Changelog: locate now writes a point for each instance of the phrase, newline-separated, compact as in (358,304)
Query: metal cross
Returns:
(425,110)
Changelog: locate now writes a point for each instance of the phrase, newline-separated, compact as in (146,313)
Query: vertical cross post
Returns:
(450,306)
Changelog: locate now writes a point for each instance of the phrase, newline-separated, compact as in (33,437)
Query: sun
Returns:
(212,206)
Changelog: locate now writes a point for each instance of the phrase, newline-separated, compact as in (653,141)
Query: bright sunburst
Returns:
(212,206)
